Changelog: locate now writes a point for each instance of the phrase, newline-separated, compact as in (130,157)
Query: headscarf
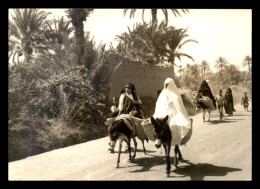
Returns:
(129,105)
(132,87)
(170,103)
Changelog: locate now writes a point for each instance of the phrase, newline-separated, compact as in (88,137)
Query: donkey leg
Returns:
(129,148)
(175,162)
(178,152)
(204,112)
(167,155)
(119,153)
(143,147)
(135,144)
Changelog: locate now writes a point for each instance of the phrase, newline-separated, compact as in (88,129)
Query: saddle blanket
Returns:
(208,102)
(133,123)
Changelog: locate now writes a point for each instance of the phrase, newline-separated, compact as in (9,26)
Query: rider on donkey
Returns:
(205,91)
(130,103)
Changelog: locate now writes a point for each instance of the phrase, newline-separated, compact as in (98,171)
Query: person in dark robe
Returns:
(130,103)
(205,90)
(228,102)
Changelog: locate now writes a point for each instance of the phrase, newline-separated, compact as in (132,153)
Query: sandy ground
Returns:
(217,150)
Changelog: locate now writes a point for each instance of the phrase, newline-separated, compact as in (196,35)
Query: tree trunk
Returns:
(79,34)
(125,42)
(172,67)
(154,16)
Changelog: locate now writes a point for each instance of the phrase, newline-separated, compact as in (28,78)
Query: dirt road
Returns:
(217,150)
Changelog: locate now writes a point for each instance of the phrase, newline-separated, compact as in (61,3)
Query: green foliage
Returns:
(25,32)
(190,82)
(176,13)
(152,45)
(53,102)
(221,63)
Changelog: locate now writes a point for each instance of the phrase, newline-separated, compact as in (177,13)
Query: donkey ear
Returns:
(153,121)
(166,118)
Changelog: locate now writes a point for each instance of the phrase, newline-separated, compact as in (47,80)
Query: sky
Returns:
(219,32)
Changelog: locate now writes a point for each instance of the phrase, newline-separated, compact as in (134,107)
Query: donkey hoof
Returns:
(117,166)
(168,175)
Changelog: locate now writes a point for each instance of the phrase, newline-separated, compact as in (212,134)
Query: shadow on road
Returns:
(199,171)
(148,162)
(194,171)
(132,151)
(219,121)
(239,115)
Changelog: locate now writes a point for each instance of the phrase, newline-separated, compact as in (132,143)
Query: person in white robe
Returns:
(170,103)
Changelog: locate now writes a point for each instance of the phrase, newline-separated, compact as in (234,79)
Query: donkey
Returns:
(162,134)
(119,131)
(200,105)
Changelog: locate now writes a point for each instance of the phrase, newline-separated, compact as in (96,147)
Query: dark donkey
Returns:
(200,105)
(162,134)
(120,131)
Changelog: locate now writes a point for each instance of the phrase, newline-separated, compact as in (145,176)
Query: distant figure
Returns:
(244,101)
(228,102)
(220,103)
(114,107)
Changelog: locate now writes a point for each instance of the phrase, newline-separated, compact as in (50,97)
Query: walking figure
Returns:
(244,101)
(220,104)
(228,102)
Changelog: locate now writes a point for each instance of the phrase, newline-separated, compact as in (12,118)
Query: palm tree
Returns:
(247,62)
(188,68)
(141,43)
(233,74)
(154,45)
(57,45)
(221,63)
(176,13)
(176,40)
(204,66)
(26,30)
(78,16)
(195,70)
(180,69)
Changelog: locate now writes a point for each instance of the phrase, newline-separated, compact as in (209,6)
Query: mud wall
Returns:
(147,79)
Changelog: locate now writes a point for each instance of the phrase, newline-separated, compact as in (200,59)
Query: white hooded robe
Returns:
(170,103)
